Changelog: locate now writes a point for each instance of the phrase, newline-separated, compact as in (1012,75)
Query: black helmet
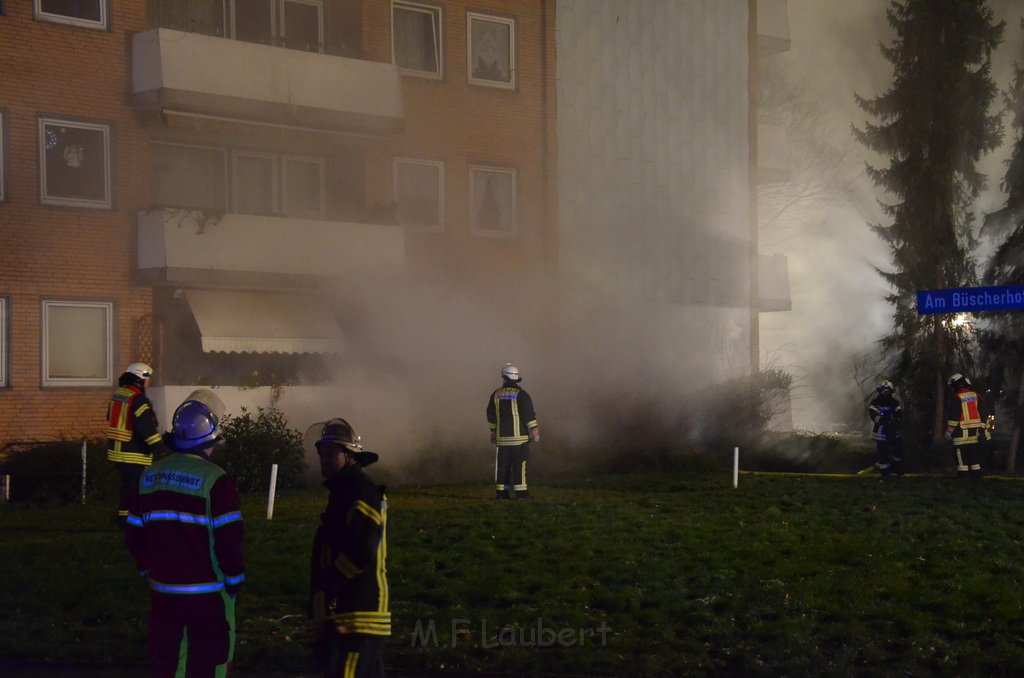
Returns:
(338,432)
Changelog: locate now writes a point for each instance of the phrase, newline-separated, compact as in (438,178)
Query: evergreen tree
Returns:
(1003,338)
(933,125)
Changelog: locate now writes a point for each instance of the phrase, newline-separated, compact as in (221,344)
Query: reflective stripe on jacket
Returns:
(185,527)
(132,429)
(510,415)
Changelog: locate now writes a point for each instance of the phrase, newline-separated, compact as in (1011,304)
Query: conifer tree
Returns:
(1003,338)
(933,125)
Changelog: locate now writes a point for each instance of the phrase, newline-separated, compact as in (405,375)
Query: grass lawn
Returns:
(637,575)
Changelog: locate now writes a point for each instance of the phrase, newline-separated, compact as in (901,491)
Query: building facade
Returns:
(294,199)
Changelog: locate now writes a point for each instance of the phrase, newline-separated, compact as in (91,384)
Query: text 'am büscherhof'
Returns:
(425,634)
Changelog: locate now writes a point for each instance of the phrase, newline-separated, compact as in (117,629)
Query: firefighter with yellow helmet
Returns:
(133,434)
(513,425)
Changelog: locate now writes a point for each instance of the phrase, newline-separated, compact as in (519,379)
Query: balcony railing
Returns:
(187,248)
(207,75)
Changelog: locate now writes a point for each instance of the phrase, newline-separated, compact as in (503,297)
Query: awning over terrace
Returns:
(263,322)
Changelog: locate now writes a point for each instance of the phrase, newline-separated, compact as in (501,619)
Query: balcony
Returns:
(190,249)
(192,73)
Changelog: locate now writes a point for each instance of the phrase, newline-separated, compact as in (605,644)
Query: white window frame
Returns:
(433,228)
(228,181)
(472,17)
(319,162)
(102,24)
(107,200)
(4,340)
(474,171)
(49,381)
(275,181)
(437,19)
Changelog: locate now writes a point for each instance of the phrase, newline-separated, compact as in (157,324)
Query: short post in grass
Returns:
(735,467)
(83,471)
(5,488)
(273,491)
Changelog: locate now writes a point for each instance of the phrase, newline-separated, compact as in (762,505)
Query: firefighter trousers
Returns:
(510,470)
(350,656)
(130,474)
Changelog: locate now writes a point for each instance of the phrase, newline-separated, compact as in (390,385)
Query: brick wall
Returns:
(463,124)
(66,252)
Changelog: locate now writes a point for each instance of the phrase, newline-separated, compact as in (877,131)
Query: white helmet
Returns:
(885,384)
(510,372)
(140,370)
(957,378)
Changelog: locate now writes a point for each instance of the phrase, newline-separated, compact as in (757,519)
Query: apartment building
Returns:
(216,186)
(288,199)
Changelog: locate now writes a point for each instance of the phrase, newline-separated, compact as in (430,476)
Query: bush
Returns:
(254,443)
(51,472)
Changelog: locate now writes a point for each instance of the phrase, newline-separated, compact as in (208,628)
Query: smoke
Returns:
(839,310)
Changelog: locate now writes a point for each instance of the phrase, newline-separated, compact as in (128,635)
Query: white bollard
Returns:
(83,472)
(5,488)
(273,490)
(735,467)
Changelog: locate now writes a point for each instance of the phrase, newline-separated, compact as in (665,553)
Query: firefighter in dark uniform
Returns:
(348,603)
(966,426)
(886,413)
(185,534)
(513,425)
(133,435)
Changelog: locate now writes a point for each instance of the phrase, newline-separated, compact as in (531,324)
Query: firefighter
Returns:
(966,425)
(886,413)
(513,425)
(348,601)
(185,534)
(133,434)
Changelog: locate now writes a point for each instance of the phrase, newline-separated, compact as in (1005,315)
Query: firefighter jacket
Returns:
(886,413)
(510,415)
(132,431)
(184,527)
(348,568)
(965,414)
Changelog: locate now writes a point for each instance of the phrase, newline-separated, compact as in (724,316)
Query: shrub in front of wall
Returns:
(253,443)
(51,472)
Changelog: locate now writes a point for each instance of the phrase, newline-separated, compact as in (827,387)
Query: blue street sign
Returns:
(968,299)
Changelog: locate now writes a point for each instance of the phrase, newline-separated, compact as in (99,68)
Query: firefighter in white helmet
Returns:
(967,427)
(886,413)
(513,424)
(133,433)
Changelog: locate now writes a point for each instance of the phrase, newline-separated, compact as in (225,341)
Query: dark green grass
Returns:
(784,576)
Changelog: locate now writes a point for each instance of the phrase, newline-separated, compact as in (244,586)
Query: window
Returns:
(419,193)
(74,163)
(3,155)
(190,176)
(296,24)
(3,342)
(493,202)
(85,13)
(254,185)
(192,16)
(78,343)
(302,187)
(416,38)
(491,42)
